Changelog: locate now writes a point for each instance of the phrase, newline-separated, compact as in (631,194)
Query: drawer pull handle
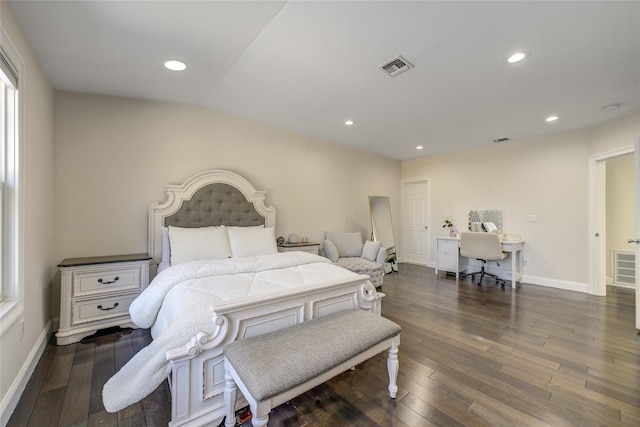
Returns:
(108,308)
(108,283)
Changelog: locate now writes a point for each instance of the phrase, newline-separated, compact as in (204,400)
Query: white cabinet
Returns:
(448,256)
(96,292)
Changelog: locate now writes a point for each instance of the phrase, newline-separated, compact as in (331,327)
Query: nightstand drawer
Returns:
(447,261)
(101,308)
(107,280)
(447,245)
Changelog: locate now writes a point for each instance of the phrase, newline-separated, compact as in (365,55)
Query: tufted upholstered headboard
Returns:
(215,204)
(214,197)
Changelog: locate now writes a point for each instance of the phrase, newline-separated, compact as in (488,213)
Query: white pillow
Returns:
(330,250)
(348,244)
(251,241)
(166,247)
(193,244)
(370,250)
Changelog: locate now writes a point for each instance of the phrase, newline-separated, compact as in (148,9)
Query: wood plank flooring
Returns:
(469,356)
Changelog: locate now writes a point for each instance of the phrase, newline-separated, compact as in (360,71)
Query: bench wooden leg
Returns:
(260,421)
(392,367)
(230,392)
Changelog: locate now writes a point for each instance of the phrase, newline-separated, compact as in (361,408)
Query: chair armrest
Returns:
(382,255)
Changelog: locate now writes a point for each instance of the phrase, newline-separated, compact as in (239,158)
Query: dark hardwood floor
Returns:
(469,355)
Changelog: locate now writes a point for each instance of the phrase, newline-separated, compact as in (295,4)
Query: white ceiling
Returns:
(307,66)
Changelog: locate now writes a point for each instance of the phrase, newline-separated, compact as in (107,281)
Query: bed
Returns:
(203,297)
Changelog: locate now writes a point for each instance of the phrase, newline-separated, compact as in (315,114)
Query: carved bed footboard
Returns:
(198,378)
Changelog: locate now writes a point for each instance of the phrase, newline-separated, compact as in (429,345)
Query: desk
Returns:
(448,257)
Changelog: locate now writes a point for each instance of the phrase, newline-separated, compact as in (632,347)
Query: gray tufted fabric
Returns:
(364,266)
(275,362)
(215,204)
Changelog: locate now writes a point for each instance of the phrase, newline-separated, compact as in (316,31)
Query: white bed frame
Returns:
(197,379)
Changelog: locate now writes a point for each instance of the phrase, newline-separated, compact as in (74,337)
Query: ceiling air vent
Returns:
(396,66)
(501,140)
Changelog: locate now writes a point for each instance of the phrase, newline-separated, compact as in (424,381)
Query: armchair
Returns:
(349,251)
(484,247)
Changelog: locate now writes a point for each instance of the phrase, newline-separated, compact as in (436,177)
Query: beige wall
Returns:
(36,97)
(545,176)
(614,134)
(114,156)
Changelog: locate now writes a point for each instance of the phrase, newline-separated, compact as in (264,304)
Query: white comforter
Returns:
(181,301)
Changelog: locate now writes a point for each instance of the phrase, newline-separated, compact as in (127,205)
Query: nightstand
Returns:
(304,247)
(96,292)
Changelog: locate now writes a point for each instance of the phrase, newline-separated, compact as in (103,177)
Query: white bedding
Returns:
(181,301)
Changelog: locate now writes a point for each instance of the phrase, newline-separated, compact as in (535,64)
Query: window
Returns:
(11,298)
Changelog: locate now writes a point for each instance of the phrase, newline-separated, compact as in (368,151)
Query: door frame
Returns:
(597,227)
(403,222)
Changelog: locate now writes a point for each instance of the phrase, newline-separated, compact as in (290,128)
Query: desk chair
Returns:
(484,247)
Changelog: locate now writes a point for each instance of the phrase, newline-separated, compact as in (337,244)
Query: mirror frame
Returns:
(384,210)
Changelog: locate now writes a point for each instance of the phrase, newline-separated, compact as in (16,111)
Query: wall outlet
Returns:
(525,261)
(533,218)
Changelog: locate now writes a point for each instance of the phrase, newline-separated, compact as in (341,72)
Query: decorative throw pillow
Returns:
(348,244)
(370,250)
(330,250)
(252,241)
(193,244)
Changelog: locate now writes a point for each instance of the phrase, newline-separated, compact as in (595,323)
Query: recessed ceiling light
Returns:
(175,65)
(611,107)
(551,119)
(517,57)
(419,147)
(348,122)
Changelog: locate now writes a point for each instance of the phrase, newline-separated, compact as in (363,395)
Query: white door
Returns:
(416,230)
(636,238)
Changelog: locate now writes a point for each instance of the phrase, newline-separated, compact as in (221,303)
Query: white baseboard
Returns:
(505,274)
(11,399)
(556,283)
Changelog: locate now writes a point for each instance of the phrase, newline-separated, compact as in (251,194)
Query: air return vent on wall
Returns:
(624,268)
(396,66)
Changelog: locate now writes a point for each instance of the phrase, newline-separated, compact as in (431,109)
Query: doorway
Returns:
(597,221)
(415,221)
(620,221)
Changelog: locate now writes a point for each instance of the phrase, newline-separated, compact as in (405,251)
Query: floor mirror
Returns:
(382,229)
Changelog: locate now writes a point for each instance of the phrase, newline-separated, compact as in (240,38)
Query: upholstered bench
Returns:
(273,368)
